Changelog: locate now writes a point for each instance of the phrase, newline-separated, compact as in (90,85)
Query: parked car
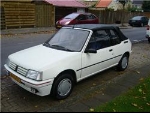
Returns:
(71,55)
(148,31)
(138,21)
(77,18)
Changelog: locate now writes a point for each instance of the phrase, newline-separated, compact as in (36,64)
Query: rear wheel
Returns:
(62,86)
(149,40)
(123,63)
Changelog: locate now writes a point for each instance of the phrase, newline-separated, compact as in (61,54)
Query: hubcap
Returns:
(142,24)
(64,87)
(124,62)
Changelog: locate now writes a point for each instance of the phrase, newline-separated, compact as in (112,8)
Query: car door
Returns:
(116,45)
(95,62)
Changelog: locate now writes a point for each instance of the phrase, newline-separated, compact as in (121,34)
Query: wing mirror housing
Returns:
(90,51)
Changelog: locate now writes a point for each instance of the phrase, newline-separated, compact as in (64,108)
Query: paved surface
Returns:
(87,94)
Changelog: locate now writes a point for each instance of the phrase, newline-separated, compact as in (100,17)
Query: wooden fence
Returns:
(110,17)
(17,14)
(20,14)
(45,15)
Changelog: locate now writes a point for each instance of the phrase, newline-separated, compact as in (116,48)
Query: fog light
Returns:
(33,90)
(7,73)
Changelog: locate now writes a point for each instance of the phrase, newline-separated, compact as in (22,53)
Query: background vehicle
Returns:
(77,18)
(148,31)
(138,21)
(71,55)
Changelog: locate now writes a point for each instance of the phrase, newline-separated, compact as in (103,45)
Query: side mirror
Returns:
(90,51)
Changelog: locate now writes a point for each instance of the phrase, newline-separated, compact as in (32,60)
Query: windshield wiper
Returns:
(46,44)
(61,47)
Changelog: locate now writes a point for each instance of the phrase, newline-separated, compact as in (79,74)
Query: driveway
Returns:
(15,99)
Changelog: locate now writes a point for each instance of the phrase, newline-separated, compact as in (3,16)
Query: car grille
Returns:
(18,69)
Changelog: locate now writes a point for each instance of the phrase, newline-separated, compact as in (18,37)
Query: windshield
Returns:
(71,16)
(69,39)
(136,18)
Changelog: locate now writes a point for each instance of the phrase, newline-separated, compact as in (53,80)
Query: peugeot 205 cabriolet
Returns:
(69,56)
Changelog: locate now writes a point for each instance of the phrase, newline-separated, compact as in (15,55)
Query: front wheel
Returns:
(62,86)
(142,25)
(123,63)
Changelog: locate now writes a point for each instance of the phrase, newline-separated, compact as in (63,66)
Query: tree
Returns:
(146,5)
(123,2)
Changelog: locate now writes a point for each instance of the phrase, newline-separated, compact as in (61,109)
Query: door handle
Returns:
(110,50)
(125,41)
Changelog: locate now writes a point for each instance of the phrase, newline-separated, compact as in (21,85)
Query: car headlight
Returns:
(67,23)
(35,75)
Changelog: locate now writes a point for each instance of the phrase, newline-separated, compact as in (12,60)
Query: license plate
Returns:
(59,26)
(15,77)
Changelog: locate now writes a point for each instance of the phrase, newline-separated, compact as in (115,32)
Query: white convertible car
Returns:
(71,55)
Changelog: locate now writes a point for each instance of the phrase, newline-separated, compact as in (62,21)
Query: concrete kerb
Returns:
(27,30)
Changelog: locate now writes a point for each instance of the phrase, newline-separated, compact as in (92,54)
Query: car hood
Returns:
(63,21)
(38,57)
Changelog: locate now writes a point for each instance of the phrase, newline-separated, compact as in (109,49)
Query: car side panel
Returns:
(120,49)
(93,63)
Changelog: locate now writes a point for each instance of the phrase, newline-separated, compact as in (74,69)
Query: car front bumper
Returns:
(41,88)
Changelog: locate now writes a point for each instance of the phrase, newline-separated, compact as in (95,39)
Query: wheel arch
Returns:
(68,71)
(127,53)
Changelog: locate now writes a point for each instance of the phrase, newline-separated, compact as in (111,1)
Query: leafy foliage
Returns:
(137,99)
(146,5)
(123,2)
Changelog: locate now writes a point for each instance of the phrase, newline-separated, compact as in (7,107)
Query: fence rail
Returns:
(110,17)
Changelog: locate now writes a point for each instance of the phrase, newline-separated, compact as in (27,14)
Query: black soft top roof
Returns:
(94,27)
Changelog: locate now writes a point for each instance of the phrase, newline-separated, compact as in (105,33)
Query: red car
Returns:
(77,18)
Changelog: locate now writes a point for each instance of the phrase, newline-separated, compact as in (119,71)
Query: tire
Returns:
(130,24)
(123,63)
(142,25)
(63,86)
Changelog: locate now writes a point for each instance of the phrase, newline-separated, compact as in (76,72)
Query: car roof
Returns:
(81,13)
(139,16)
(94,26)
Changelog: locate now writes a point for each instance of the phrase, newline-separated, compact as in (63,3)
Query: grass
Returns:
(135,100)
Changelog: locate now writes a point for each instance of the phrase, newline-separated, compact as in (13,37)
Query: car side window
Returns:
(99,39)
(82,17)
(145,19)
(114,38)
(91,16)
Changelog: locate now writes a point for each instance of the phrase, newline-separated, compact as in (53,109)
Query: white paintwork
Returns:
(148,31)
(52,62)
(47,60)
